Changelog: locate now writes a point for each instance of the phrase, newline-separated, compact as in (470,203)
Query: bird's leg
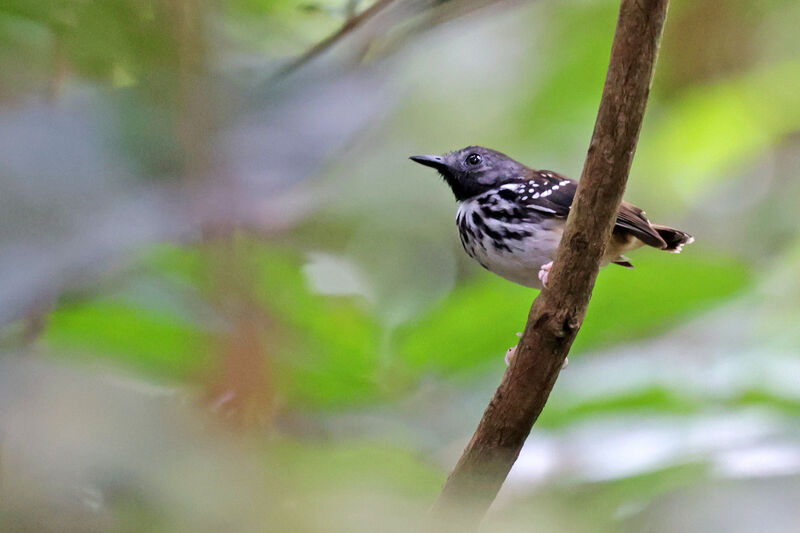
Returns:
(544,273)
(512,352)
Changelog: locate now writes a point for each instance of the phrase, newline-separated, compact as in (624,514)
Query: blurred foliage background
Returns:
(229,302)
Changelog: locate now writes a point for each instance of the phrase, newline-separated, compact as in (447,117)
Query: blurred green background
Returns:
(229,302)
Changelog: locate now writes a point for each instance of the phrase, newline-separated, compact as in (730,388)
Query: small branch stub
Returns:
(557,314)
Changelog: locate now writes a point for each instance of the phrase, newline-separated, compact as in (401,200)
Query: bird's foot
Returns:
(511,353)
(544,273)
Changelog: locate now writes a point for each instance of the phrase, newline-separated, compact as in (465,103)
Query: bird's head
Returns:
(473,170)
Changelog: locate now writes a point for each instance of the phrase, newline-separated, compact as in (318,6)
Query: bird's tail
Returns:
(674,238)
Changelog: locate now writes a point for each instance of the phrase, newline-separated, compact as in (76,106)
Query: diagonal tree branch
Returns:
(351,24)
(382,18)
(557,314)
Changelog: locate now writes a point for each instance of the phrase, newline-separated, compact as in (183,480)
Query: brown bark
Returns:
(557,314)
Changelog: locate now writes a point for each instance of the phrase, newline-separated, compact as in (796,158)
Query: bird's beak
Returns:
(435,161)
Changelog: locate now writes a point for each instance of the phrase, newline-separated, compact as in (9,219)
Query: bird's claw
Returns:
(544,273)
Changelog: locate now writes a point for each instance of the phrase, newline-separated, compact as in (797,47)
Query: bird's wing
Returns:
(552,193)
(546,192)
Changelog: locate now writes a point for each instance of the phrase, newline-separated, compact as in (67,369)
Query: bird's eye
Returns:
(473,159)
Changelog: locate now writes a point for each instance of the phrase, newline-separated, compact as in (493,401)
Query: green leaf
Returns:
(157,344)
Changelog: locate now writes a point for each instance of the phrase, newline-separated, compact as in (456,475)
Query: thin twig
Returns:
(557,314)
(436,12)
(350,25)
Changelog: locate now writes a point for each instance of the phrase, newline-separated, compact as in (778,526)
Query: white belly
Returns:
(515,259)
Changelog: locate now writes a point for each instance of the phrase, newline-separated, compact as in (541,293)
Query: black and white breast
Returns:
(506,236)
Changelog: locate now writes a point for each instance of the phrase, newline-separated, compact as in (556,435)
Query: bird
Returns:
(510,217)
